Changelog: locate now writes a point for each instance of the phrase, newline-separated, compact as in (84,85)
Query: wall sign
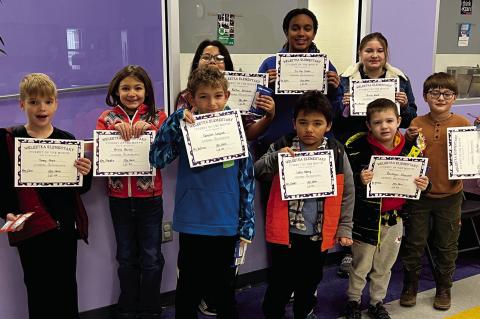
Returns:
(466,7)
(464,32)
(226,28)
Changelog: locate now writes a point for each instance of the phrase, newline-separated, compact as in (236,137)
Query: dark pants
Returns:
(49,263)
(205,261)
(297,269)
(444,213)
(138,230)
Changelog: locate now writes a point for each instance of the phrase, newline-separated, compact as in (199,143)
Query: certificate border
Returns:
(450,131)
(278,89)
(243,140)
(18,178)
(252,75)
(423,169)
(96,142)
(333,178)
(352,89)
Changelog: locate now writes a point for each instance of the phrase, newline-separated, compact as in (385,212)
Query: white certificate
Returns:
(242,88)
(365,91)
(47,162)
(301,72)
(394,176)
(214,138)
(307,175)
(463,152)
(113,156)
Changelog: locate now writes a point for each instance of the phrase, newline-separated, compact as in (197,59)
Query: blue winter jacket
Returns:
(212,200)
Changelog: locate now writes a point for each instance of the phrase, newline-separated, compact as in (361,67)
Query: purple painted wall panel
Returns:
(103,37)
(409,26)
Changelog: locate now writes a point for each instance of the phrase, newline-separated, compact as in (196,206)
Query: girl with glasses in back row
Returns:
(214,53)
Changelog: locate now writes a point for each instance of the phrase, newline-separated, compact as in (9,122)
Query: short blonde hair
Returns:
(37,84)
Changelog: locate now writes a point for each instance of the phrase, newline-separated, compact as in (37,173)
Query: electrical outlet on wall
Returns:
(167,231)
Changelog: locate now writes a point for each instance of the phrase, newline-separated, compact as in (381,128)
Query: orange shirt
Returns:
(435,133)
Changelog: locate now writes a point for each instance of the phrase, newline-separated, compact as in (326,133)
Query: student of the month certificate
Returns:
(47,162)
(214,138)
(242,88)
(113,156)
(394,176)
(364,91)
(463,152)
(307,174)
(301,72)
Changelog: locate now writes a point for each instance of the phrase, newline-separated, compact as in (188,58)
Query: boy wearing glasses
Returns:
(442,203)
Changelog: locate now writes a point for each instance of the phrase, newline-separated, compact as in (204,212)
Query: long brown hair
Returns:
(139,73)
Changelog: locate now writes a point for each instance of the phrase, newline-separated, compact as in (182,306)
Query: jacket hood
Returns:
(353,71)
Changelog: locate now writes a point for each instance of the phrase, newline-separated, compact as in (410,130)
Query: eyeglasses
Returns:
(447,95)
(216,58)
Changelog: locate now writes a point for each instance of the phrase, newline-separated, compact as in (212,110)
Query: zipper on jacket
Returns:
(130,120)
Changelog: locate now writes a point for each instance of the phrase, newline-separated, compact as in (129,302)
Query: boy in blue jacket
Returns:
(213,204)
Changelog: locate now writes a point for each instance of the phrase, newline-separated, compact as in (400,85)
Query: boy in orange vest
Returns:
(301,231)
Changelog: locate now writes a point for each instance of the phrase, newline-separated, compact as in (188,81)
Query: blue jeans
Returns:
(138,230)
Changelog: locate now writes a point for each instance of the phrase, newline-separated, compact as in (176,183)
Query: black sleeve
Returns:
(87,182)
(8,196)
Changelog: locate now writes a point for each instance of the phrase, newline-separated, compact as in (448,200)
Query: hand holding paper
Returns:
(333,79)
(139,128)
(287,150)
(188,117)
(366,176)
(421,182)
(15,222)
(125,130)
(402,99)
(83,165)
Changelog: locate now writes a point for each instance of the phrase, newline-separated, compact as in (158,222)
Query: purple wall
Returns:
(409,26)
(107,38)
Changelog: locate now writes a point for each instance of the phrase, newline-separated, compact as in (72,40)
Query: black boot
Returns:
(408,298)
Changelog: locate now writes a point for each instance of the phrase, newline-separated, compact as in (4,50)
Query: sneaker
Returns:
(345,266)
(206,309)
(311,315)
(353,310)
(378,311)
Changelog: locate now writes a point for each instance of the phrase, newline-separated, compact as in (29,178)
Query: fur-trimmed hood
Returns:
(353,71)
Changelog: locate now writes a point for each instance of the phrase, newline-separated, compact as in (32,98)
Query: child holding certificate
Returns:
(136,203)
(443,202)
(213,53)
(47,241)
(373,55)
(377,222)
(213,204)
(301,231)
(300,28)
